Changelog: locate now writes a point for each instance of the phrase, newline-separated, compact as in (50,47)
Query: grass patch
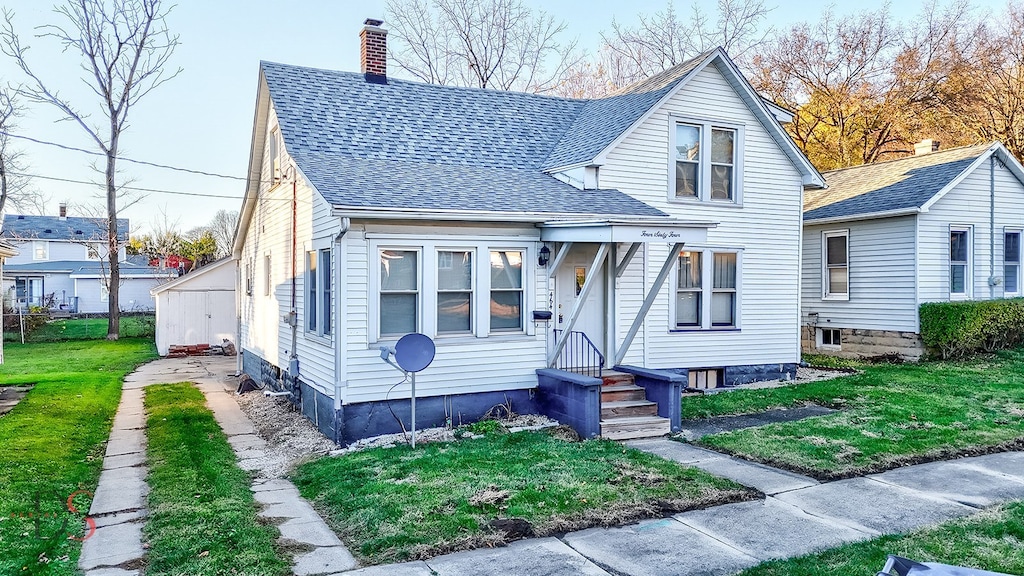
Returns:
(992,540)
(394,504)
(202,518)
(51,445)
(142,326)
(891,415)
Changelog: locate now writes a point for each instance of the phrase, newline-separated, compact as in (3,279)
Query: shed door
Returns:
(195,318)
(221,316)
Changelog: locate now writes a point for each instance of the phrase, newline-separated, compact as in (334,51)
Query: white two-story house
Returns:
(655,232)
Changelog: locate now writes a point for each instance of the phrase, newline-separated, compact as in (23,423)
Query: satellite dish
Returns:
(414,352)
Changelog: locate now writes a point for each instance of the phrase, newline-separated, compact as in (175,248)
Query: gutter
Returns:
(868,216)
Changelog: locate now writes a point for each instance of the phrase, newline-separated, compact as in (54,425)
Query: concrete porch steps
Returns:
(626,414)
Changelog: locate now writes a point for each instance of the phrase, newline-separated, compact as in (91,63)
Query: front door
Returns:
(572,273)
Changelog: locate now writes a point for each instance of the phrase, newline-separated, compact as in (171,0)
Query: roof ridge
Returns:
(911,157)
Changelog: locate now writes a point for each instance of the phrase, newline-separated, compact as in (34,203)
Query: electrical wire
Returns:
(405,434)
(135,188)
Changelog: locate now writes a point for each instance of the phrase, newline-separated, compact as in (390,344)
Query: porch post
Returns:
(596,270)
(563,250)
(648,302)
(621,268)
(610,311)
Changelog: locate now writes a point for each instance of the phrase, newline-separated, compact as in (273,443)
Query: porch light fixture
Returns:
(544,257)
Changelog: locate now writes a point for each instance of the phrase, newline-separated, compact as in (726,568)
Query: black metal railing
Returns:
(579,355)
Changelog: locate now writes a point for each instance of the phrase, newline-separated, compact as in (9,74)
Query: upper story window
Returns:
(1011,262)
(705,162)
(835,265)
(40,250)
(92,251)
(707,290)
(960,262)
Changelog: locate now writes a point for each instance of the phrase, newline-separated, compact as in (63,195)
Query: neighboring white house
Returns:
(662,223)
(61,264)
(7,250)
(198,308)
(883,238)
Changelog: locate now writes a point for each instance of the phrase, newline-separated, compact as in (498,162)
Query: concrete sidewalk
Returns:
(119,505)
(799,516)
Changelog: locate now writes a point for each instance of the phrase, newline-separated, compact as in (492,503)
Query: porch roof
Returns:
(622,231)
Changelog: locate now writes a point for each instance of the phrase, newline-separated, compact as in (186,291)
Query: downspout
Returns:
(339,313)
(238,317)
(992,279)
(293,315)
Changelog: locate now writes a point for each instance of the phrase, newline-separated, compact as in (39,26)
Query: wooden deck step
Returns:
(621,392)
(634,427)
(612,378)
(628,408)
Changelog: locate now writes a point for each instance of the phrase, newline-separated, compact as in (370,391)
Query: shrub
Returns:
(959,329)
(35,317)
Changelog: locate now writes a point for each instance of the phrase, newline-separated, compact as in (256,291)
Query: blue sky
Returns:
(202,119)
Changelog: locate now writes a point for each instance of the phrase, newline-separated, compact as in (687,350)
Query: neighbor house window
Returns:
(104,292)
(399,292)
(688,289)
(92,251)
(723,294)
(454,291)
(836,265)
(40,250)
(506,290)
(705,161)
(959,262)
(707,290)
(1011,262)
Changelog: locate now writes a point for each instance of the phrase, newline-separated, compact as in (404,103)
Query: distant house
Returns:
(655,231)
(7,250)
(883,238)
(62,265)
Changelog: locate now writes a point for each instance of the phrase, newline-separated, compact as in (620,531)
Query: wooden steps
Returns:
(625,411)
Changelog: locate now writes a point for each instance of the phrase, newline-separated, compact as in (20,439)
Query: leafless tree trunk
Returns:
(500,44)
(124,46)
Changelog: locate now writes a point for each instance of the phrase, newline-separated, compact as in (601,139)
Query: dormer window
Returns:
(705,161)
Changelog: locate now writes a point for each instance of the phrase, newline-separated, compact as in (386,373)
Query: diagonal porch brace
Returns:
(594,276)
(621,268)
(648,302)
(563,251)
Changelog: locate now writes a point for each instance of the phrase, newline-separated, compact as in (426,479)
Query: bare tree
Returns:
(124,46)
(666,38)
(15,186)
(223,229)
(500,44)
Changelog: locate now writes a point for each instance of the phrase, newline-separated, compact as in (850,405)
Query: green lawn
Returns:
(891,415)
(992,540)
(52,444)
(87,329)
(393,504)
(202,518)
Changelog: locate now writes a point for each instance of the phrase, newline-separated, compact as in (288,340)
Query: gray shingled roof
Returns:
(127,269)
(73,228)
(412,145)
(901,184)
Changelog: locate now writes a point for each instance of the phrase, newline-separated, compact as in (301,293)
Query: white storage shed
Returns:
(197,308)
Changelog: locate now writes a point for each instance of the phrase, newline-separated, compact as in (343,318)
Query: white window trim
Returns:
(322,276)
(969,274)
(704,194)
(45,245)
(1012,230)
(707,290)
(427,301)
(819,339)
(825,294)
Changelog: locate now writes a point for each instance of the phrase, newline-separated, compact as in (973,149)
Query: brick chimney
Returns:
(373,51)
(62,211)
(926,146)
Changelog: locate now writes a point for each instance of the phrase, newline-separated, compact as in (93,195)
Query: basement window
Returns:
(705,379)
(830,338)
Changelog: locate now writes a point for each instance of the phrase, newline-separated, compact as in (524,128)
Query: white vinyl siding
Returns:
(968,205)
(766,227)
(881,276)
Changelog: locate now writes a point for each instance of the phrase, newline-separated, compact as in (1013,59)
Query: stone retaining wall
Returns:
(862,343)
